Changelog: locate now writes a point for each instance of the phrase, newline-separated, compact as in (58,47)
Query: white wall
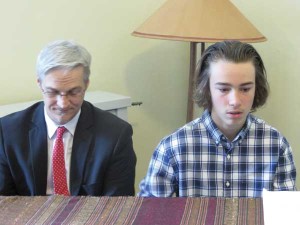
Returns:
(152,71)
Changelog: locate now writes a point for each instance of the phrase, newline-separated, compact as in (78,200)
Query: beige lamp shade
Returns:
(199,21)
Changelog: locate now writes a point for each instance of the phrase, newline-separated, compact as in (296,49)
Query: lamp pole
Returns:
(193,63)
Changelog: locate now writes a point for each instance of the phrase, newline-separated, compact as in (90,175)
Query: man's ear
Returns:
(39,83)
(87,84)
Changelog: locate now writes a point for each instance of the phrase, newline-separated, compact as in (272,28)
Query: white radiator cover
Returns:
(114,103)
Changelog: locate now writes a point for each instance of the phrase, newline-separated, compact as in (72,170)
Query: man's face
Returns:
(232,87)
(63,92)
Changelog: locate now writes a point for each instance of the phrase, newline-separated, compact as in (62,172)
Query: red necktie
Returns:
(58,165)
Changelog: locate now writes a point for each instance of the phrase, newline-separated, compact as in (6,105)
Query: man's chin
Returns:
(59,120)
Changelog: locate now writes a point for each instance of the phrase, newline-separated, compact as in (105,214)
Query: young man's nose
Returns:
(234,98)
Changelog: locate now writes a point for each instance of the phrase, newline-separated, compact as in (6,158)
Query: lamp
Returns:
(198,21)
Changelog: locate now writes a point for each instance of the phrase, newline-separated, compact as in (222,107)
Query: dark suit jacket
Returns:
(102,162)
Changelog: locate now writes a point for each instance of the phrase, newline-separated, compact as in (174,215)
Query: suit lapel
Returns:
(81,146)
(39,150)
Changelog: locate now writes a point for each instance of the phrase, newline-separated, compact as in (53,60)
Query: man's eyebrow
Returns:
(54,89)
(50,89)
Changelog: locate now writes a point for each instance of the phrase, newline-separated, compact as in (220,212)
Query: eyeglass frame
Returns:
(73,93)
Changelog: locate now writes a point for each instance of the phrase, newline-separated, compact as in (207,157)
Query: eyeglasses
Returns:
(73,93)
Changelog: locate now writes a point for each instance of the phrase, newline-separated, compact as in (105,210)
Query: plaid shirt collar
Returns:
(217,135)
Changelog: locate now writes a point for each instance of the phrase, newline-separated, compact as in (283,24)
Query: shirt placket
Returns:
(228,169)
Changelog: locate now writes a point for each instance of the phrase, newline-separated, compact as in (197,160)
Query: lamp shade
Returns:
(199,21)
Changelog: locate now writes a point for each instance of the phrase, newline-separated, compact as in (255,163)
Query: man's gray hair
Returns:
(63,54)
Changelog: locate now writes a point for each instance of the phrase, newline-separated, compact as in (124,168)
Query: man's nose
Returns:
(62,100)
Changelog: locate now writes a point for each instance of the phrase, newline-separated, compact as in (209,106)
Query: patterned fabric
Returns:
(198,160)
(58,164)
(130,210)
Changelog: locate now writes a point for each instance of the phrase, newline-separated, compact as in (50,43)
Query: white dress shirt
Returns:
(68,143)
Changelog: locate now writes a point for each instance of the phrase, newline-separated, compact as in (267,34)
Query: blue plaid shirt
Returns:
(198,160)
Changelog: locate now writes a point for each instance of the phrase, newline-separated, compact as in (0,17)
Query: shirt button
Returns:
(228,156)
(227,184)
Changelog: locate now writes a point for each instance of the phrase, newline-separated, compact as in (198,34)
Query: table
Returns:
(130,210)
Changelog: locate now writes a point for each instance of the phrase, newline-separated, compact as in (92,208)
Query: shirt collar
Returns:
(217,135)
(51,126)
(244,131)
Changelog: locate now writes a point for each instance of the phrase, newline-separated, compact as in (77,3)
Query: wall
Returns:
(152,71)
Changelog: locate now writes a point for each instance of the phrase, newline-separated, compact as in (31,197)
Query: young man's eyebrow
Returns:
(247,83)
(228,84)
(222,83)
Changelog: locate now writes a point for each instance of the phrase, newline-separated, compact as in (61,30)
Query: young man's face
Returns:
(232,87)
(63,92)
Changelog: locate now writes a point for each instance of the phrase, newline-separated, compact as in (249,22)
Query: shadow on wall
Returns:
(158,77)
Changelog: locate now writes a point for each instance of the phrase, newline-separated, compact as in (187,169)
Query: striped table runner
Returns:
(130,210)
